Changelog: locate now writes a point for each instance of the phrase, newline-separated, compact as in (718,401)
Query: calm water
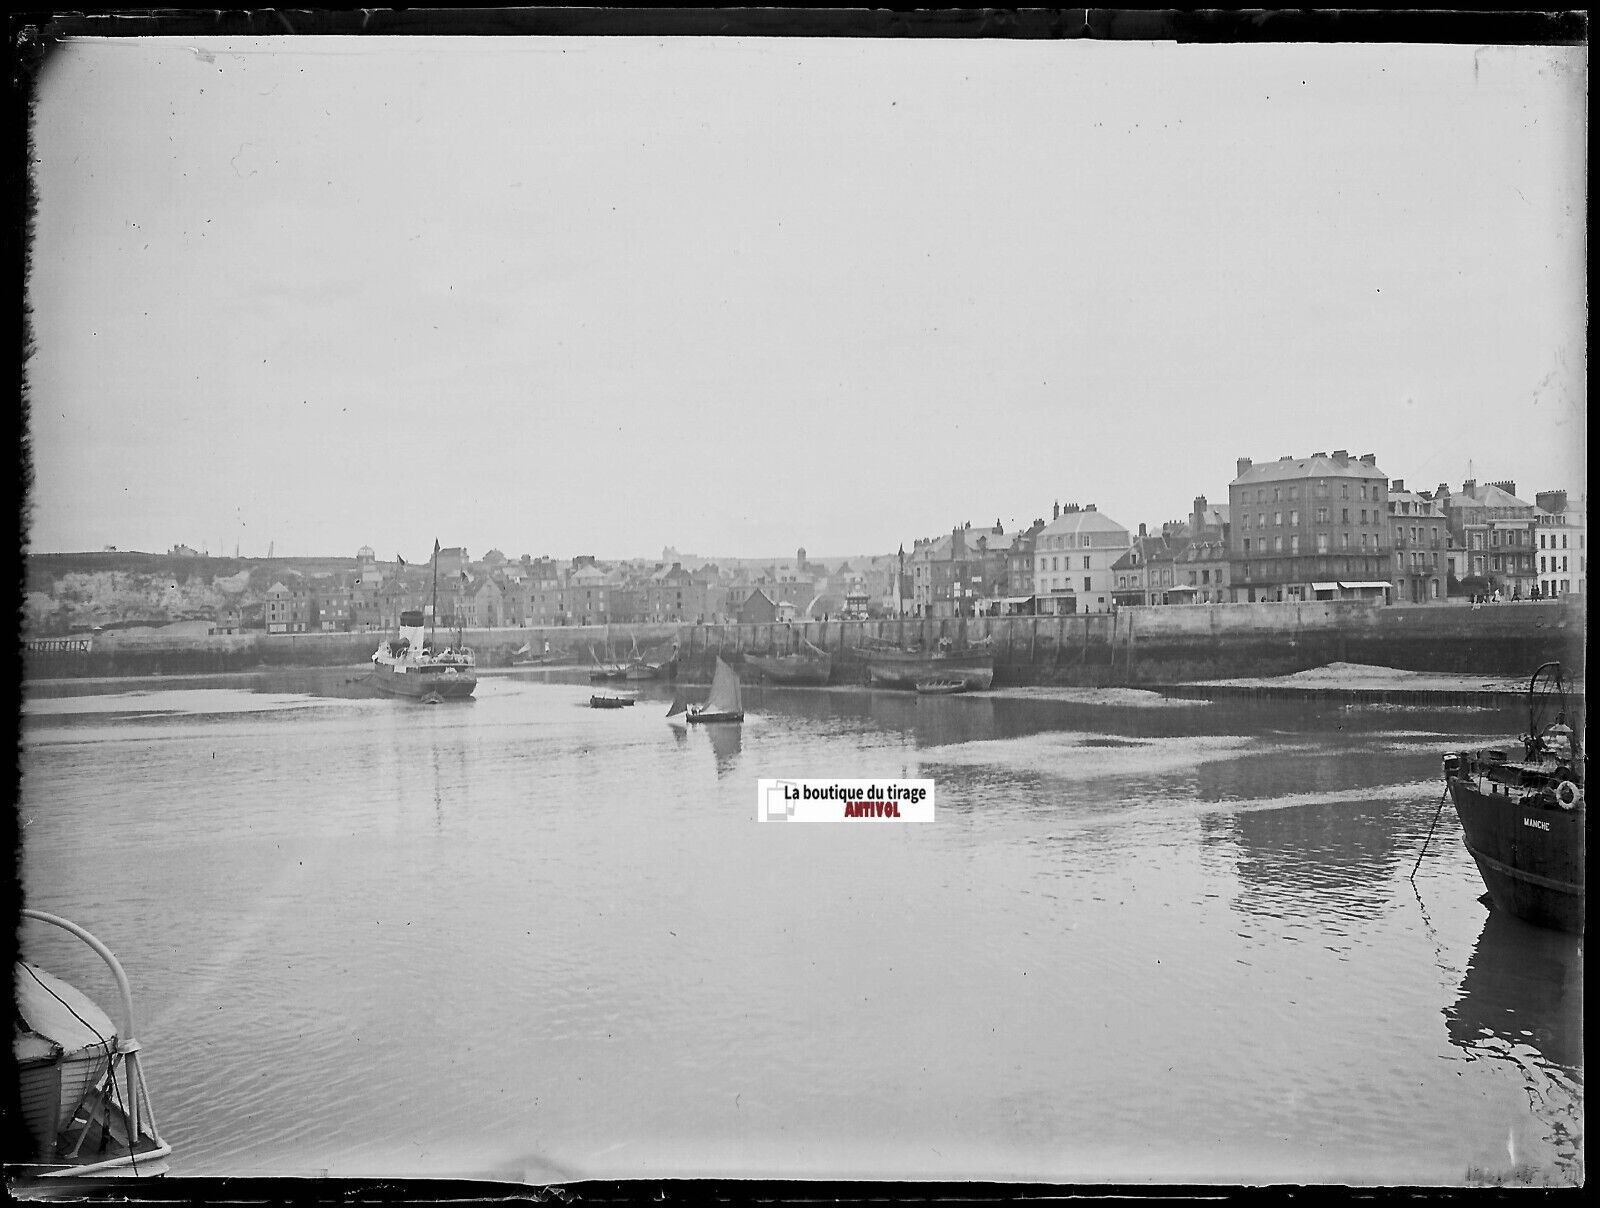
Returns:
(519,938)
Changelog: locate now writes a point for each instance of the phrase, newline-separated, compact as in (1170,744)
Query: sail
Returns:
(680,704)
(724,696)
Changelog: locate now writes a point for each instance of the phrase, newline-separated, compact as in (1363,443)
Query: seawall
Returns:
(1133,646)
(1163,645)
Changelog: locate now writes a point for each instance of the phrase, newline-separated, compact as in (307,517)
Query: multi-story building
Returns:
(588,593)
(1499,534)
(1420,539)
(1073,557)
(958,575)
(332,604)
(277,608)
(1132,583)
(1562,525)
(1310,528)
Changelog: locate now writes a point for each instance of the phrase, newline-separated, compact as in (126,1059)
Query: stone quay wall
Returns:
(1132,646)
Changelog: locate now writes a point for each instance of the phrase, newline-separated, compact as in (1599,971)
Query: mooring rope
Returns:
(1429,839)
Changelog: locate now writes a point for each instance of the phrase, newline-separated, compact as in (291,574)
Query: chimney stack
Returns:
(1057,514)
(1088,507)
(1141,529)
(1342,456)
(1241,466)
(1369,459)
(1398,484)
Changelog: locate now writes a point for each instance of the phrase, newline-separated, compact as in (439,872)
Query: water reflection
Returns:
(1522,996)
(1330,858)
(726,743)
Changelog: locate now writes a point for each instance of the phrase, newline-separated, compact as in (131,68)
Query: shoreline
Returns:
(1347,682)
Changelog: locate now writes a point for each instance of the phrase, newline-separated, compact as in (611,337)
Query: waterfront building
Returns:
(1499,533)
(674,594)
(489,603)
(758,608)
(588,593)
(1073,557)
(277,608)
(1132,584)
(1562,526)
(959,575)
(1310,528)
(1420,539)
(330,605)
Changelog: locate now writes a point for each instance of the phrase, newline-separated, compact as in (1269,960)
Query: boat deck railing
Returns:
(143,1140)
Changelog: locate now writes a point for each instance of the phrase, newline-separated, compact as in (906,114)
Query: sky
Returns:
(738,296)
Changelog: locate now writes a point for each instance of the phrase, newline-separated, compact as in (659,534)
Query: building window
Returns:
(1322,543)
(1294,543)
(1086,562)
(1294,517)
(1086,583)
(1247,545)
(1277,545)
(1277,517)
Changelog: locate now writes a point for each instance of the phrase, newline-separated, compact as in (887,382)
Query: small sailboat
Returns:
(724,703)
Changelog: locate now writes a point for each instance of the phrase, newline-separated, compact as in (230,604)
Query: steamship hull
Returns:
(450,683)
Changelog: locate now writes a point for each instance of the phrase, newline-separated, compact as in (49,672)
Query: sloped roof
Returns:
(1306,467)
(1074,523)
(1487,495)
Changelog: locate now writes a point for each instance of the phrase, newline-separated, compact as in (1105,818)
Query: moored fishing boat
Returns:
(810,665)
(894,667)
(1523,819)
(80,1082)
(607,668)
(724,704)
(947,686)
(652,664)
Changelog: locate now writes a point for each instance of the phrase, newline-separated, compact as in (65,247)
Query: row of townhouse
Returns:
(1330,526)
(545,592)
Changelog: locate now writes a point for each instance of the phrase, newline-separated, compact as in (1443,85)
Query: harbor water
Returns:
(516,938)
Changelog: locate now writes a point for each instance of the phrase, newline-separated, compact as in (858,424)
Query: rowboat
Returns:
(941,686)
(612,700)
(80,1083)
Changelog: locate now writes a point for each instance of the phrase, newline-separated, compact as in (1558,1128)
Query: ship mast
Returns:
(433,613)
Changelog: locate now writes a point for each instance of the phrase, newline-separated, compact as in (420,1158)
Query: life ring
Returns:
(1568,794)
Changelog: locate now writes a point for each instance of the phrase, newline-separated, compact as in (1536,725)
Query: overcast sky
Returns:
(569,295)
